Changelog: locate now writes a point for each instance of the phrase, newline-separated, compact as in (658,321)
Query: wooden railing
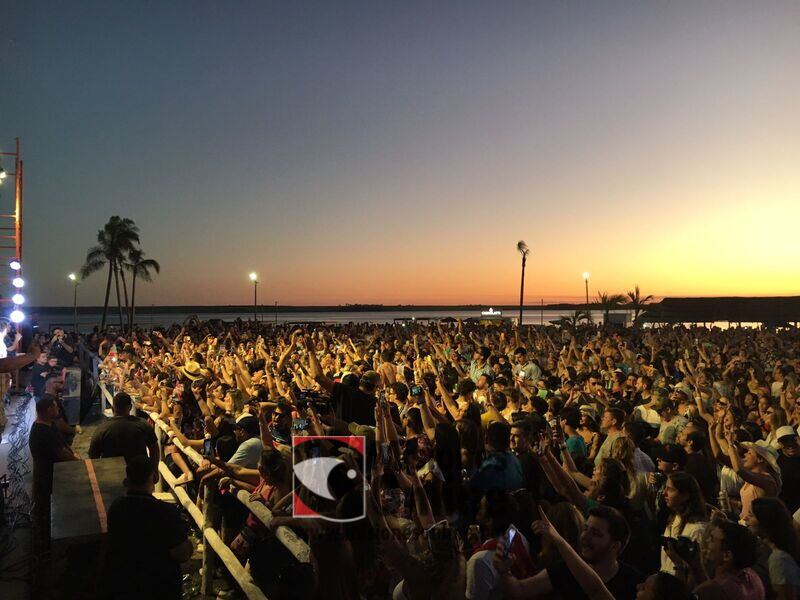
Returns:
(215,550)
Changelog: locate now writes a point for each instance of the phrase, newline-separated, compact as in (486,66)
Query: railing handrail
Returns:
(298,548)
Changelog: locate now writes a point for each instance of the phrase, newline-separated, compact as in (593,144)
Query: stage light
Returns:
(15,264)
(18,299)
(17,316)
(18,282)
(253,276)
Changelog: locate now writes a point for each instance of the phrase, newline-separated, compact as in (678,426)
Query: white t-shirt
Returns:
(692,531)
(481,575)
(248,453)
(648,415)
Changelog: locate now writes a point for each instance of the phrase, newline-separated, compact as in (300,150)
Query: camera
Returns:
(659,479)
(685,547)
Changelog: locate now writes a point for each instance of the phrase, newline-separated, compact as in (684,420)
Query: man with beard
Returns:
(604,537)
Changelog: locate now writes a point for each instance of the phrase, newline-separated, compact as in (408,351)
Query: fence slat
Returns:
(287,537)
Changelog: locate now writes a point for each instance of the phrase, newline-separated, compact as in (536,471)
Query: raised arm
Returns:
(315,370)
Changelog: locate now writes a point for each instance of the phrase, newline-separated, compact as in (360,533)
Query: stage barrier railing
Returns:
(209,522)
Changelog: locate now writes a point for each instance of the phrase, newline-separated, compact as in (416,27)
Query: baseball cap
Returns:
(785,431)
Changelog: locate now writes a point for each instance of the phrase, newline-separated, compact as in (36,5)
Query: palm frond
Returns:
(91,267)
(522,248)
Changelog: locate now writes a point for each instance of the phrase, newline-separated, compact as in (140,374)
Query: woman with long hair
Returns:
(775,418)
(770,520)
(688,515)
(623,449)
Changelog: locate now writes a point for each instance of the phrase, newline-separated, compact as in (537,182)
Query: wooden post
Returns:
(160,441)
(209,556)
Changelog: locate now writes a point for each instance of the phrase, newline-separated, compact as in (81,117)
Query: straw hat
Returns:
(766,452)
(192,371)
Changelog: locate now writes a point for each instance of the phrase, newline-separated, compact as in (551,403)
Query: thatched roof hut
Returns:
(774,311)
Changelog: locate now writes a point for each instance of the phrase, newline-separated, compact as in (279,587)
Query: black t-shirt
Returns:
(790,477)
(353,405)
(141,532)
(122,436)
(45,441)
(65,358)
(534,478)
(622,586)
(39,375)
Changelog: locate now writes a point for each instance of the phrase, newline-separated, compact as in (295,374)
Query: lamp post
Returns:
(74,279)
(254,279)
(523,249)
(586,281)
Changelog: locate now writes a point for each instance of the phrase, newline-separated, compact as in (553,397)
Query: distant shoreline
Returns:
(270,308)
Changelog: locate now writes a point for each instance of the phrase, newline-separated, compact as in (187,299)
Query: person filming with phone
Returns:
(594,572)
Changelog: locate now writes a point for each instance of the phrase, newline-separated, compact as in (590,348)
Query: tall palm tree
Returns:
(638,303)
(607,302)
(114,241)
(142,268)
(523,249)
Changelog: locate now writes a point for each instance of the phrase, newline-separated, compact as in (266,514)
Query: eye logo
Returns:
(314,472)
(326,480)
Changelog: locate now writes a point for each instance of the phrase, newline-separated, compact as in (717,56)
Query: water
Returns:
(47,321)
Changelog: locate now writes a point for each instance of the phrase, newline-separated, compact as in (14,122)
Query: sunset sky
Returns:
(395,152)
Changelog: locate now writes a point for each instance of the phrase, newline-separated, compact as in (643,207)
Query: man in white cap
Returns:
(789,462)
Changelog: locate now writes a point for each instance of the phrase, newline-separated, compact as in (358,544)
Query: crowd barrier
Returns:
(208,521)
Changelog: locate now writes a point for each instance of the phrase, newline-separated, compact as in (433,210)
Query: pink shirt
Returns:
(744,585)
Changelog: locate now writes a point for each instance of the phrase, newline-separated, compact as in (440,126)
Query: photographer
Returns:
(687,514)
(729,550)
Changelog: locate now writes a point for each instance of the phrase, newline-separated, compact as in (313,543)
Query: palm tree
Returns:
(607,302)
(140,267)
(114,241)
(638,303)
(523,249)
(573,321)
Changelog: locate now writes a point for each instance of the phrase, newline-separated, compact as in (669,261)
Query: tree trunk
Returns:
(521,291)
(119,300)
(133,299)
(125,291)
(108,293)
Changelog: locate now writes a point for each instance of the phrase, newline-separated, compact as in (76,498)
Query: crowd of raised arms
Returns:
(500,462)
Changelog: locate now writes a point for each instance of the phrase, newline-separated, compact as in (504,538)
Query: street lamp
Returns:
(254,279)
(586,281)
(74,279)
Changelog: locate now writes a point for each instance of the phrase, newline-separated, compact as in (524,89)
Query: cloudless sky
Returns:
(395,152)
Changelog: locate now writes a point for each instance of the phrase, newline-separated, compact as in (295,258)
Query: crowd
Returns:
(499,463)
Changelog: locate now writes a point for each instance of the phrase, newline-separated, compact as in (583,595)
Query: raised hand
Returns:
(544,527)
